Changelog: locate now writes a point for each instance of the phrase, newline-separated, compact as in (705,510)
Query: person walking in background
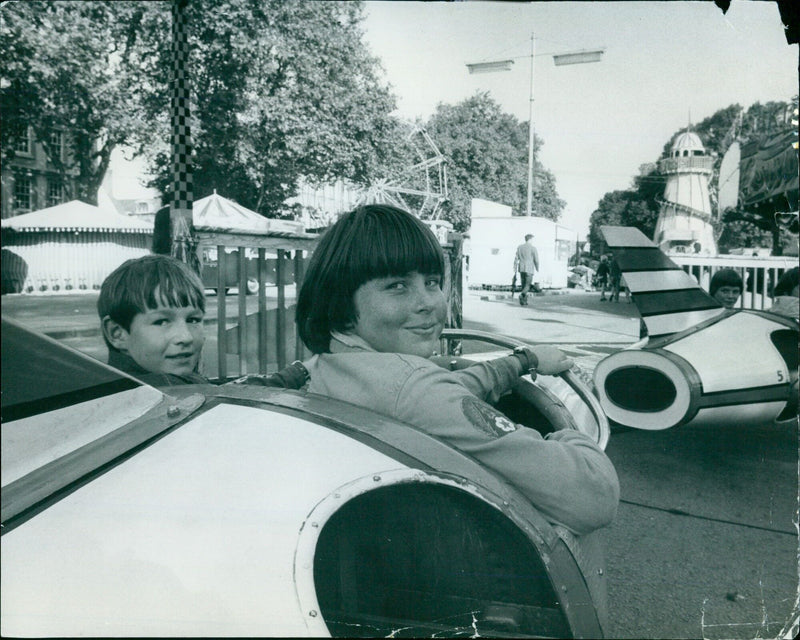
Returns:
(602,276)
(614,276)
(624,286)
(526,262)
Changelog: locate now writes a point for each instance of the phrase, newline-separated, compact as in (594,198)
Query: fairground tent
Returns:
(220,214)
(73,245)
(217,214)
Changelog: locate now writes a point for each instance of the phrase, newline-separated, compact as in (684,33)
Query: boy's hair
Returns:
(528,236)
(787,282)
(131,288)
(725,278)
(372,241)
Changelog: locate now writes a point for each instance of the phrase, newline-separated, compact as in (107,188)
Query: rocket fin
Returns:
(668,299)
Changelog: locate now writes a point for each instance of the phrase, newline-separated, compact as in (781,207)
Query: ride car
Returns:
(239,510)
(699,364)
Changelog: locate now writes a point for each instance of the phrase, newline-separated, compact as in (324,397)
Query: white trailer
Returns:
(494,236)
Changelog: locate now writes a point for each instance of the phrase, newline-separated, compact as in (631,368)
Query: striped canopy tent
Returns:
(217,213)
(71,246)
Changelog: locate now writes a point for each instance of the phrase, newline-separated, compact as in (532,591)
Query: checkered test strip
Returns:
(181,139)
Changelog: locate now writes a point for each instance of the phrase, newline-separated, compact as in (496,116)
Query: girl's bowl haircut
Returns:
(372,241)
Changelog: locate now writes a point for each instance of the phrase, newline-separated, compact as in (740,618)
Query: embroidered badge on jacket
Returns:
(486,418)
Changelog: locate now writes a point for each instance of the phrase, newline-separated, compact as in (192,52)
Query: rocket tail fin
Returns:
(668,299)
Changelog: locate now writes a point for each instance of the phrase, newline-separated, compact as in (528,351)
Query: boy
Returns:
(614,278)
(726,287)
(602,276)
(151,310)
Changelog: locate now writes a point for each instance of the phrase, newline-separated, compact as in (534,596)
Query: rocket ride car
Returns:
(701,363)
(240,510)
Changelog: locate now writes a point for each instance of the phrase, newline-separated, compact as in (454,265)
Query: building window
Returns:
(55,193)
(22,193)
(23,145)
(57,145)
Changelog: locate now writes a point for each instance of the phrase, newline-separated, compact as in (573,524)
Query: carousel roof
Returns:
(221,214)
(76,216)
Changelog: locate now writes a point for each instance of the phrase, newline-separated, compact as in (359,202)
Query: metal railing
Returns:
(759,274)
(700,164)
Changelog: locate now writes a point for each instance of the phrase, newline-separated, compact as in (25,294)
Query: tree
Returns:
(487,157)
(635,207)
(282,91)
(67,67)
(611,210)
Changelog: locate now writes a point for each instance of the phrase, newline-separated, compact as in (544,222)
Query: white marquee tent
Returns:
(219,213)
(71,246)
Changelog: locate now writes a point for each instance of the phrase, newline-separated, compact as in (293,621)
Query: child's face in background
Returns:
(727,296)
(166,339)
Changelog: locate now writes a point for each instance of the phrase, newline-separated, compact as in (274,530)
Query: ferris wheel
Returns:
(405,190)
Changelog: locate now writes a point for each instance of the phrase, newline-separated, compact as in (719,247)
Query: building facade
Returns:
(30,181)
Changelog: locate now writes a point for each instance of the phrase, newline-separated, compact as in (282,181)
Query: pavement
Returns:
(705,541)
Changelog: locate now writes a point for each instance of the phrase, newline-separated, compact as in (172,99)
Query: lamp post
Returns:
(559,59)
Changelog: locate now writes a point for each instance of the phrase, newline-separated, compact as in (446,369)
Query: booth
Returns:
(71,246)
(494,236)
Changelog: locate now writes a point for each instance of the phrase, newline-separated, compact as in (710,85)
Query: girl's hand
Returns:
(551,361)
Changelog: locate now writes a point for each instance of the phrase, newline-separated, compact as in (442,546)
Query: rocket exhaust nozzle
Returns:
(647,389)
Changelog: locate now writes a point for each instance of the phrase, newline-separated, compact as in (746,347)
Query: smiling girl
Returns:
(372,309)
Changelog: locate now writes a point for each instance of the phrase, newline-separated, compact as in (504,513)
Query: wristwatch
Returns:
(528,359)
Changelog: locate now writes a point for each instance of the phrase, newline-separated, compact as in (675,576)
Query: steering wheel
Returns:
(545,397)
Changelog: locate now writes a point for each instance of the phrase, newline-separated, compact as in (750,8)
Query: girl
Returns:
(371,307)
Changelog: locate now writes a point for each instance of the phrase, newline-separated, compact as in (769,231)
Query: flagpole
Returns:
(531,135)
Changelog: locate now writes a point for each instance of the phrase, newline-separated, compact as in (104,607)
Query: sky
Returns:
(664,63)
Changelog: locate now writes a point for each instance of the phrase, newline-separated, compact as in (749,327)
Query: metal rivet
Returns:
(564,589)
(505,504)
(312,613)
(315,524)
(336,495)
(376,478)
(599,572)
(173,411)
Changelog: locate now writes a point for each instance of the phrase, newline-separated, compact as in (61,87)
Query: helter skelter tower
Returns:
(684,222)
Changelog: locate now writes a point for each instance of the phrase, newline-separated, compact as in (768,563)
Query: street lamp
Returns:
(559,59)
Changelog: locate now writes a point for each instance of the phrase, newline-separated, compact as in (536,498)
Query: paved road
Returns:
(705,541)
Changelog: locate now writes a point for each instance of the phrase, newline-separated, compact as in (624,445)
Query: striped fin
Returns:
(669,300)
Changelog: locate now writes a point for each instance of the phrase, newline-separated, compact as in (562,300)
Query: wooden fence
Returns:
(266,339)
(263,340)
